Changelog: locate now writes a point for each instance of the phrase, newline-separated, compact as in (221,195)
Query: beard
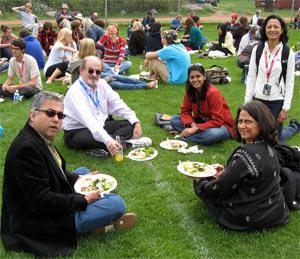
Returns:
(92,82)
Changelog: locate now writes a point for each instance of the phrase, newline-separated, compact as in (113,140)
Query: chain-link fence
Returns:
(113,8)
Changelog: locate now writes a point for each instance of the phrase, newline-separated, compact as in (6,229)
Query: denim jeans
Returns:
(99,213)
(288,131)
(5,53)
(207,137)
(4,66)
(124,82)
(125,66)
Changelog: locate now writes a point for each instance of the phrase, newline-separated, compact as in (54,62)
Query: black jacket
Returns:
(137,42)
(38,201)
(153,41)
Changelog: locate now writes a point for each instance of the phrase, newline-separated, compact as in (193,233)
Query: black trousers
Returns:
(27,92)
(82,139)
(275,108)
(217,46)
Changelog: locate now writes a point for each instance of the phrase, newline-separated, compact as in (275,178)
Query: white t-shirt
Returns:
(26,71)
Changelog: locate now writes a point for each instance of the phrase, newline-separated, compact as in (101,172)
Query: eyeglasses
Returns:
(51,113)
(91,71)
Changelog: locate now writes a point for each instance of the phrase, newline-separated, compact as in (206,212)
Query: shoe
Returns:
(168,127)
(125,222)
(294,121)
(97,152)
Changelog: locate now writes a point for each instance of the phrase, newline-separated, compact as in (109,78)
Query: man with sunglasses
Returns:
(41,213)
(89,104)
(26,69)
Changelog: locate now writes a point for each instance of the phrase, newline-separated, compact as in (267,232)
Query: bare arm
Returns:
(152,55)
(17,9)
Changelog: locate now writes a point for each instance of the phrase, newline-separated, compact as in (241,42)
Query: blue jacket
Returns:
(34,49)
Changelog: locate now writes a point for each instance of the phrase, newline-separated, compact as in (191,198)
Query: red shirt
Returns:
(47,39)
(214,110)
(114,53)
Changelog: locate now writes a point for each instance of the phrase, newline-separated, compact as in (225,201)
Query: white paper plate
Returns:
(138,154)
(173,144)
(209,170)
(85,179)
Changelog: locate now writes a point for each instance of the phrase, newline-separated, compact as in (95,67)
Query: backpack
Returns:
(284,59)
(217,74)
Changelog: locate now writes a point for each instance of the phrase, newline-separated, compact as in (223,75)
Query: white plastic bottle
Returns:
(17,96)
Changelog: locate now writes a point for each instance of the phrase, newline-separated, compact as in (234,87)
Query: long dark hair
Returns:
(265,121)
(283,37)
(192,93)
(224,29)
(189,23)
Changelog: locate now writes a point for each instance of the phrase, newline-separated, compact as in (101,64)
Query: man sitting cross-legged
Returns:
(41,213)
(26,68)
(89,104)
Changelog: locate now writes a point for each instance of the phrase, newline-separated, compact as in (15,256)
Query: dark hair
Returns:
(192,93)
(189,23)
(100,23)
(24,32)
(283,37)
(260,22)
(224,29)
(20,43)
(265,121)
(47,25)
(196,18)
(4,28)
(75,25)
(243,20)
(155,27)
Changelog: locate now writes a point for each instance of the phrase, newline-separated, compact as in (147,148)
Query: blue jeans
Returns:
(124,82)
(207,137)
(5,53)
(125,66)
(288,131)
(4,66)
(99,213)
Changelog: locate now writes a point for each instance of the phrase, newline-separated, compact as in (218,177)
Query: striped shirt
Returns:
(114,52)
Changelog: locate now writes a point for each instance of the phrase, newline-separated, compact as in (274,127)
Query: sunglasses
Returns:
(51,113)
(196,65)
(91,71)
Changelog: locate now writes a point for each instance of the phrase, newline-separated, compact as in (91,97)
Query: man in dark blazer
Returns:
(41,213)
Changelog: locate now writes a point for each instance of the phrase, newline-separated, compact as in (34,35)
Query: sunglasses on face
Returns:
(91,71)
(51,113)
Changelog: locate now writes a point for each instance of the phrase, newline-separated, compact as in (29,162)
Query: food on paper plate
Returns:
(143,153)
(89,185)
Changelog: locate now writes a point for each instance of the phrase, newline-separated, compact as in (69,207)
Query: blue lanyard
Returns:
(94,98)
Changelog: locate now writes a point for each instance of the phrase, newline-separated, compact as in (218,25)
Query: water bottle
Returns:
(119,157)
(17,96)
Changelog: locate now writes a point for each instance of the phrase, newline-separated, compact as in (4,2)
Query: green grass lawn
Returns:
(172,221)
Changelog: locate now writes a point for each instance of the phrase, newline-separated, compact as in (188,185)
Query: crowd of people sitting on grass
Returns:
(246,194)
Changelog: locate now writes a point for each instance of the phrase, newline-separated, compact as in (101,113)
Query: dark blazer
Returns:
(38,201)
(137,42)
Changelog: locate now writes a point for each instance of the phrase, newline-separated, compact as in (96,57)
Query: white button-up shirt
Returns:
(81,112)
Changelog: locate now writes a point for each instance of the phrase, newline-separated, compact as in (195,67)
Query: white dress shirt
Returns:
(256,81)
(81,112)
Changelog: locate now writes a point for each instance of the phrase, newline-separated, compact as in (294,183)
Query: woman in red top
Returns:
(114,51)
(205,116)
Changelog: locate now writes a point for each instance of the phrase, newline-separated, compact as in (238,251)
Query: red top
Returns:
(114,53)
(47,39)
(214,111)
